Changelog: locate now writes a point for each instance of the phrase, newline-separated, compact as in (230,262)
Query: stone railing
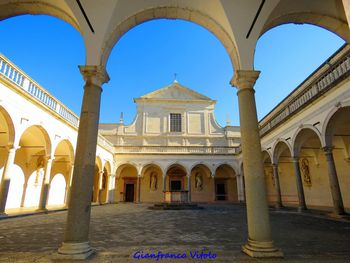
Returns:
(304,95)
(9,71)
(104,143)
(175,150)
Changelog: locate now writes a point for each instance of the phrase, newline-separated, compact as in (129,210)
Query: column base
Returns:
(336,216)
(278,206)
(302,209)
(74,251)
(258,249)
(3,214)
(42,210)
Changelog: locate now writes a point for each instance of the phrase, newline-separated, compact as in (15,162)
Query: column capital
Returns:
(295,159)
(94,74)
(274,164)
(11,148)
(244,79)
(328,149)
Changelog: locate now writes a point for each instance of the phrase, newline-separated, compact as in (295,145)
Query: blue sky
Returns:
(146,58)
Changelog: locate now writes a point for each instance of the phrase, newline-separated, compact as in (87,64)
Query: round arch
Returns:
(176,164)
(64,149)
(57,9)
(266,155)
(226,164)
(335,115)
(172,12)
(332,24)
(150,165)
(304,133)
(201,166)
(6,121)
(278,148)
(121,166)
(28,136)
(98,163)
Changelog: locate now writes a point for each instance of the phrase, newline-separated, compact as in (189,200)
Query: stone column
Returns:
(69,185)
(189,188)
(138,189)
(259,243)
(299,182)
(99,187)
(333,182)
(6,179)
(76,237)
(45,186)
(276,178)
(111,191)
(346,4)
(164,183)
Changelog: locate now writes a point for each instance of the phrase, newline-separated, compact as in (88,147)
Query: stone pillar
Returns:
(45,186)
(6,179)
(240,188)
(189,188)
(346,4)
(164,184)
(276,178)
(299,182)
(76,237)
(69,185)
(259,243)
(138,189)
(333,182)
(99,187)
(111,191)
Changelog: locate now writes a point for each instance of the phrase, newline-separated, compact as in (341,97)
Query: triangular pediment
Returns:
(175,91)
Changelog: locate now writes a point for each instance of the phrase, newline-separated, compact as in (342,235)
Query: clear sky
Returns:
(146,58)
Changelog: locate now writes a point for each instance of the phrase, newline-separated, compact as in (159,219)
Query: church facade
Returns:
(175,144)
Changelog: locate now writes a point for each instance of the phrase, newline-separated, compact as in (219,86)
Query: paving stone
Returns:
(118,231)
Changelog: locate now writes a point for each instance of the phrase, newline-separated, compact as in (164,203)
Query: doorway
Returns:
(220,190)
(129,192)
(175,185)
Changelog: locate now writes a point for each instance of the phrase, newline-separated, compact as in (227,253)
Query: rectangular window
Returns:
(175,122)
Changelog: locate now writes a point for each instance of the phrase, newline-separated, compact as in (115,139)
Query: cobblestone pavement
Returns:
(119,231)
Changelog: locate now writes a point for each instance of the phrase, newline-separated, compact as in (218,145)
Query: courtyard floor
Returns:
(118,231)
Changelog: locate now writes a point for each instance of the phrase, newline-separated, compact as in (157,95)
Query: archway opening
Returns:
(34,151)
(127,190)
(338,136)
(282,156)
(269,180)
(151,183)
(313,168)
(225,184)
(176,178)
(202,184)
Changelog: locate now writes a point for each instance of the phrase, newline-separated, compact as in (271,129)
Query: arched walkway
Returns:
(151,183)
(337,136)
(282,156)
(32,157)
(57,190)
(313,168)
(269,180)
(14,197)
(225,184)
(202,184)
(127,182)
(176,178)
(61,166)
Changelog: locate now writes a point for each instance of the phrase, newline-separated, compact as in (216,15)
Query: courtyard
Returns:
(125,232)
